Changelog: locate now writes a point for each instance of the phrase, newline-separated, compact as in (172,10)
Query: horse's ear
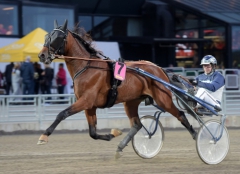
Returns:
(55,24)
(64,27)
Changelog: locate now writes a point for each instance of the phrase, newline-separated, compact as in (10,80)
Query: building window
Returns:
(85,22)
(187,55)
(186,27)
(105,27)
(102,27)
(185,20)
(217,45)
(43,17)
(8,19)
(236,46)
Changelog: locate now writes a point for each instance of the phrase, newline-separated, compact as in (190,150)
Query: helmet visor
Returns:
(205,62)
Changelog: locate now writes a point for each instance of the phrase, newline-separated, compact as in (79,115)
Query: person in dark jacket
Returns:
(8,77)
(37,77)
(27,74)
(47,77)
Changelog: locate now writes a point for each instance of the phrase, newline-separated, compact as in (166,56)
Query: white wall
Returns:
(4,42)
(109,49)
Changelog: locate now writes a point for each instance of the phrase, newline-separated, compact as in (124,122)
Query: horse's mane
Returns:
(81,32)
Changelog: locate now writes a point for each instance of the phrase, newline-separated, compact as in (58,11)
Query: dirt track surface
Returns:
(78,153)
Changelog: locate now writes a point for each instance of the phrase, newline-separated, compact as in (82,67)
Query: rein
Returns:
(185,79)
(79,58)
(99,60)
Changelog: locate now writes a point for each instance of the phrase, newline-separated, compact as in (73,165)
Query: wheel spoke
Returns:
(209,151)
(144,146)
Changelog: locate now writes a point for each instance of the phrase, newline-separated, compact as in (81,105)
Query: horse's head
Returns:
(54,43)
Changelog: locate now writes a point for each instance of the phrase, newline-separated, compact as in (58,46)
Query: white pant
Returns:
(16,88)
(204,95)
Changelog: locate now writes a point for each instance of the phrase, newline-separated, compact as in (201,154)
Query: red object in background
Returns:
(184,53)
(211,33)
(219,45)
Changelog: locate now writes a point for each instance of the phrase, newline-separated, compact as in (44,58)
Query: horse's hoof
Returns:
(194,136)
(116,132)
(118,155)
(42,140)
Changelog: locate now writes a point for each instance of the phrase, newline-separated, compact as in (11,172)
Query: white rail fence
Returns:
(40,108)
(22,108)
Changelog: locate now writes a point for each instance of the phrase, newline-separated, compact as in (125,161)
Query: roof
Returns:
(224,10)
(29,45)
(102,7)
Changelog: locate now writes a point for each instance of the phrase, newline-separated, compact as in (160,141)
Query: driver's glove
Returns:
(194,82)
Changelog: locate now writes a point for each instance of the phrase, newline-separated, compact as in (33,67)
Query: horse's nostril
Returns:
(41,56)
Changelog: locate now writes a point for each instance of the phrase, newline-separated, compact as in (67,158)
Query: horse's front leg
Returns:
(73,109)
(92,122)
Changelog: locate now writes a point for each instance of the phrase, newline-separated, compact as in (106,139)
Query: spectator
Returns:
(16,79)
(8,77)
(10,30)
(37,77)
(46,81)
(2,29)
(61,79)
(27,73)
(1,83)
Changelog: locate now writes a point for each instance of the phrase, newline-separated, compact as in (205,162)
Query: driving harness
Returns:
(113,93)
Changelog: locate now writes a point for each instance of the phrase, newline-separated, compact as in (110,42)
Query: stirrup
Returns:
(201,111)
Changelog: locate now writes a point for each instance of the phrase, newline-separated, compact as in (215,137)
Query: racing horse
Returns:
(91,82)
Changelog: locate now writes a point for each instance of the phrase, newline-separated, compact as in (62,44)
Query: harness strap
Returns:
(113,93)
(81,71)
(87,67)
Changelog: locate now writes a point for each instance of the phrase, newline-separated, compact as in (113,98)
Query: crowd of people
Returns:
(29,78)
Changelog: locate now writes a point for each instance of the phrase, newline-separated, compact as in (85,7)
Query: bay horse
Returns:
(91,77)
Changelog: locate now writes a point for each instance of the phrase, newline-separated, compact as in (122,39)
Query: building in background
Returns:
(168,33)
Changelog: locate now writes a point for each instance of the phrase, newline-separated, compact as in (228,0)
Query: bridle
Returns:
(58,50)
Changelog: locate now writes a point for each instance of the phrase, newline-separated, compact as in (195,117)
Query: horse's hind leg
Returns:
(92,122)
(165,101)
(183,119)
(131,109)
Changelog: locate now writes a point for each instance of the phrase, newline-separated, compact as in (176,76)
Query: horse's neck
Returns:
(75,49)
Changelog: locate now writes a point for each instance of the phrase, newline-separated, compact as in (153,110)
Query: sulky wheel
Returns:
(147,146)
(210,151)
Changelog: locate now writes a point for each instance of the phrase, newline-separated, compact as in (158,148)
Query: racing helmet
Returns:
(208,59)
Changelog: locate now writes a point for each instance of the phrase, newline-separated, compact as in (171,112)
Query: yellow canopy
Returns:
(29,45)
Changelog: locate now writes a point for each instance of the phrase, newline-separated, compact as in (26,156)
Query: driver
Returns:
(211,83)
